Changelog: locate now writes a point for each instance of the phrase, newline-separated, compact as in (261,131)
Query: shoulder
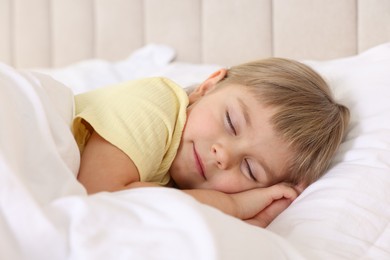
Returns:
(155,90)
(160,88)
(160,93)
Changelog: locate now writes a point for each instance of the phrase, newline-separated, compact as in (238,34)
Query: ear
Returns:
(209,84)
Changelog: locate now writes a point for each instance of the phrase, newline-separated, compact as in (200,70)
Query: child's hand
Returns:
(258,206)
(262,205)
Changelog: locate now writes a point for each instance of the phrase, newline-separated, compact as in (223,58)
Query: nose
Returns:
(224,156)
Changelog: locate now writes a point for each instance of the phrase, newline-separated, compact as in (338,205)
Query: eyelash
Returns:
(229,121)
(250,170)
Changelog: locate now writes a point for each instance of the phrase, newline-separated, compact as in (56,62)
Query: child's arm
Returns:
(258,206)
(104,167)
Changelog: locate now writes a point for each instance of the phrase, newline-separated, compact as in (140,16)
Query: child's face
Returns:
(228,143)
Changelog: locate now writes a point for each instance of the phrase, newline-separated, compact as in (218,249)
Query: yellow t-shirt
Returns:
(144,118)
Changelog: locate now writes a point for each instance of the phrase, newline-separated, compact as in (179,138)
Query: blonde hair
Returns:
(307,117)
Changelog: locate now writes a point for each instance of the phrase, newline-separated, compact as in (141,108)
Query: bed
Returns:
(53,49)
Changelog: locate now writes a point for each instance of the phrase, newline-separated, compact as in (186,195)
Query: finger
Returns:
(252,202)
(273,210)
(257,222)
(266,216)
(283,190)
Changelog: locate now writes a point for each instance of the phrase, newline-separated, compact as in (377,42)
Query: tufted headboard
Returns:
(53,33)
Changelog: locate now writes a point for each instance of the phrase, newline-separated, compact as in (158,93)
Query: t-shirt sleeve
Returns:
(143,118)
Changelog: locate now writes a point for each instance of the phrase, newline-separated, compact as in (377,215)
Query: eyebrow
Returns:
(244,110)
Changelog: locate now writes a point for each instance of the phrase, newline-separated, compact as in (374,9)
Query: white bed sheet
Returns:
(345,215)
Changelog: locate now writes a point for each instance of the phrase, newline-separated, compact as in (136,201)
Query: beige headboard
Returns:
(52,33)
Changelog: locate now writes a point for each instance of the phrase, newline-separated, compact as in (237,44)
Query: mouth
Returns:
(198,163)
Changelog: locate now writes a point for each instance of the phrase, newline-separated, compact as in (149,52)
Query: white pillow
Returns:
(346,213)
(150,60)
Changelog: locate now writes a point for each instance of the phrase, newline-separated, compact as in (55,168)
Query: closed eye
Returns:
(250,170)
(229,121)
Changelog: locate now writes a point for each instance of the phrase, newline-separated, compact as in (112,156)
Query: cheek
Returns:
(201,122)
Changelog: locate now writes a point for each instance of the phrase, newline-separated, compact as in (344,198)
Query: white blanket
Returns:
(46,214)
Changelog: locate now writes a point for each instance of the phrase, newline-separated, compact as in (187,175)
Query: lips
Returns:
(198,163)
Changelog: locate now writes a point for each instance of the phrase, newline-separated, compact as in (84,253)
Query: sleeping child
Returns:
(246,141)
